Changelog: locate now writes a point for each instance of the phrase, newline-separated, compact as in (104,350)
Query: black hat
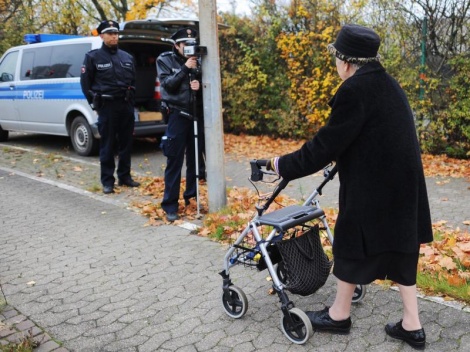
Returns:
(108,27)
(355,43)
(184,34)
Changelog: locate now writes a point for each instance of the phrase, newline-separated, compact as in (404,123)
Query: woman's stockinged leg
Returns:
(410,308)
(341,308)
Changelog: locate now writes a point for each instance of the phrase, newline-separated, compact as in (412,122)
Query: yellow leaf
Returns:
(448,263)
(465,275)
(205,232)
(451,241)
(426,251)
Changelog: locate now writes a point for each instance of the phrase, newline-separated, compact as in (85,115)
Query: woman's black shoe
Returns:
(415,338)
(322,321)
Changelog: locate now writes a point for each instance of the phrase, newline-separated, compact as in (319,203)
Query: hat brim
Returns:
(185,40)
(354,60)
(110,30)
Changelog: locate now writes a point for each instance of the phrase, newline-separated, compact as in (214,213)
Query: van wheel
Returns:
(3,135)
(83,141)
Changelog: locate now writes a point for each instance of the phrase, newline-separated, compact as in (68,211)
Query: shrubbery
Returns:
(277,77)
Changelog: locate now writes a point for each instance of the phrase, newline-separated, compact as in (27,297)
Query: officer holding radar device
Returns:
(179,74)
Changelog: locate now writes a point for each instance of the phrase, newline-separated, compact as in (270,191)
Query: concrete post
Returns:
(211,85)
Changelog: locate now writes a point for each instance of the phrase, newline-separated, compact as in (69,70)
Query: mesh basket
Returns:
(306,266)
(249,254)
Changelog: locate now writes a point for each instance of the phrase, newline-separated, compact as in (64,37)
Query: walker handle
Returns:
(329,175)
(256,173)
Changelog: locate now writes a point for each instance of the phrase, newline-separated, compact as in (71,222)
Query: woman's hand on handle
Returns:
(271,165)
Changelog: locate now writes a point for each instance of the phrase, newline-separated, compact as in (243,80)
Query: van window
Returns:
(61,61)
(8,66)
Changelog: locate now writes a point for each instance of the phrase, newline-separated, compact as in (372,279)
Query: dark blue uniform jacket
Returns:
(107,71)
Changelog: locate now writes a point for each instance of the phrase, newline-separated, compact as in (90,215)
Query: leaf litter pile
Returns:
(448,257)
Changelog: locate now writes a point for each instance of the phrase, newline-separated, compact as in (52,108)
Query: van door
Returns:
(8,113)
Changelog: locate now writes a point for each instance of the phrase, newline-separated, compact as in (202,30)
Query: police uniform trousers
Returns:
(177,143)
(116,128)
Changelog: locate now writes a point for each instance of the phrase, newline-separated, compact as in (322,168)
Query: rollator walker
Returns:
(256,246)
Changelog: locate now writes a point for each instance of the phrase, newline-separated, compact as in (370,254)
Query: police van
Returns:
(40,88)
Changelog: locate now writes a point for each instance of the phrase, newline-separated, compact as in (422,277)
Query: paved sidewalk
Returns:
(90,276)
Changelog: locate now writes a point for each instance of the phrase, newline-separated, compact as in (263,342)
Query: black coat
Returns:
(383,204)
(174,78)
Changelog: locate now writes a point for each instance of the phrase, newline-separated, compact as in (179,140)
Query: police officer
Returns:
(178,75)
(108,83)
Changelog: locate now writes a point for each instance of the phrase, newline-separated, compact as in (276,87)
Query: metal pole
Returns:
(196,148)
(213,124)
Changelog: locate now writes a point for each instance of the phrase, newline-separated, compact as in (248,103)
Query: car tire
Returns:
(81,135)
(3,135)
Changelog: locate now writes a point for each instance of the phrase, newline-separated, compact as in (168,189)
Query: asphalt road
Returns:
(448,197)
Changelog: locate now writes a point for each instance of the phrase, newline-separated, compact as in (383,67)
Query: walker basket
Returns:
(306,265)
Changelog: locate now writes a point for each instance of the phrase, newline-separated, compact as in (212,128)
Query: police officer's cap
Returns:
(108,27)
(184,35)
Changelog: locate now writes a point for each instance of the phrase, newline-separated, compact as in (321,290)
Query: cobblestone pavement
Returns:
(80,271)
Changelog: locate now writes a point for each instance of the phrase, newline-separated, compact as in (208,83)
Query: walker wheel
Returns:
(301,330)
(236,304)
(359,293)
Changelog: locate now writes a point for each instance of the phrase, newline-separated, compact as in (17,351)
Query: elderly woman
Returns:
(383,206)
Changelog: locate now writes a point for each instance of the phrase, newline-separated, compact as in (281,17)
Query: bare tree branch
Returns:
(8,8)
